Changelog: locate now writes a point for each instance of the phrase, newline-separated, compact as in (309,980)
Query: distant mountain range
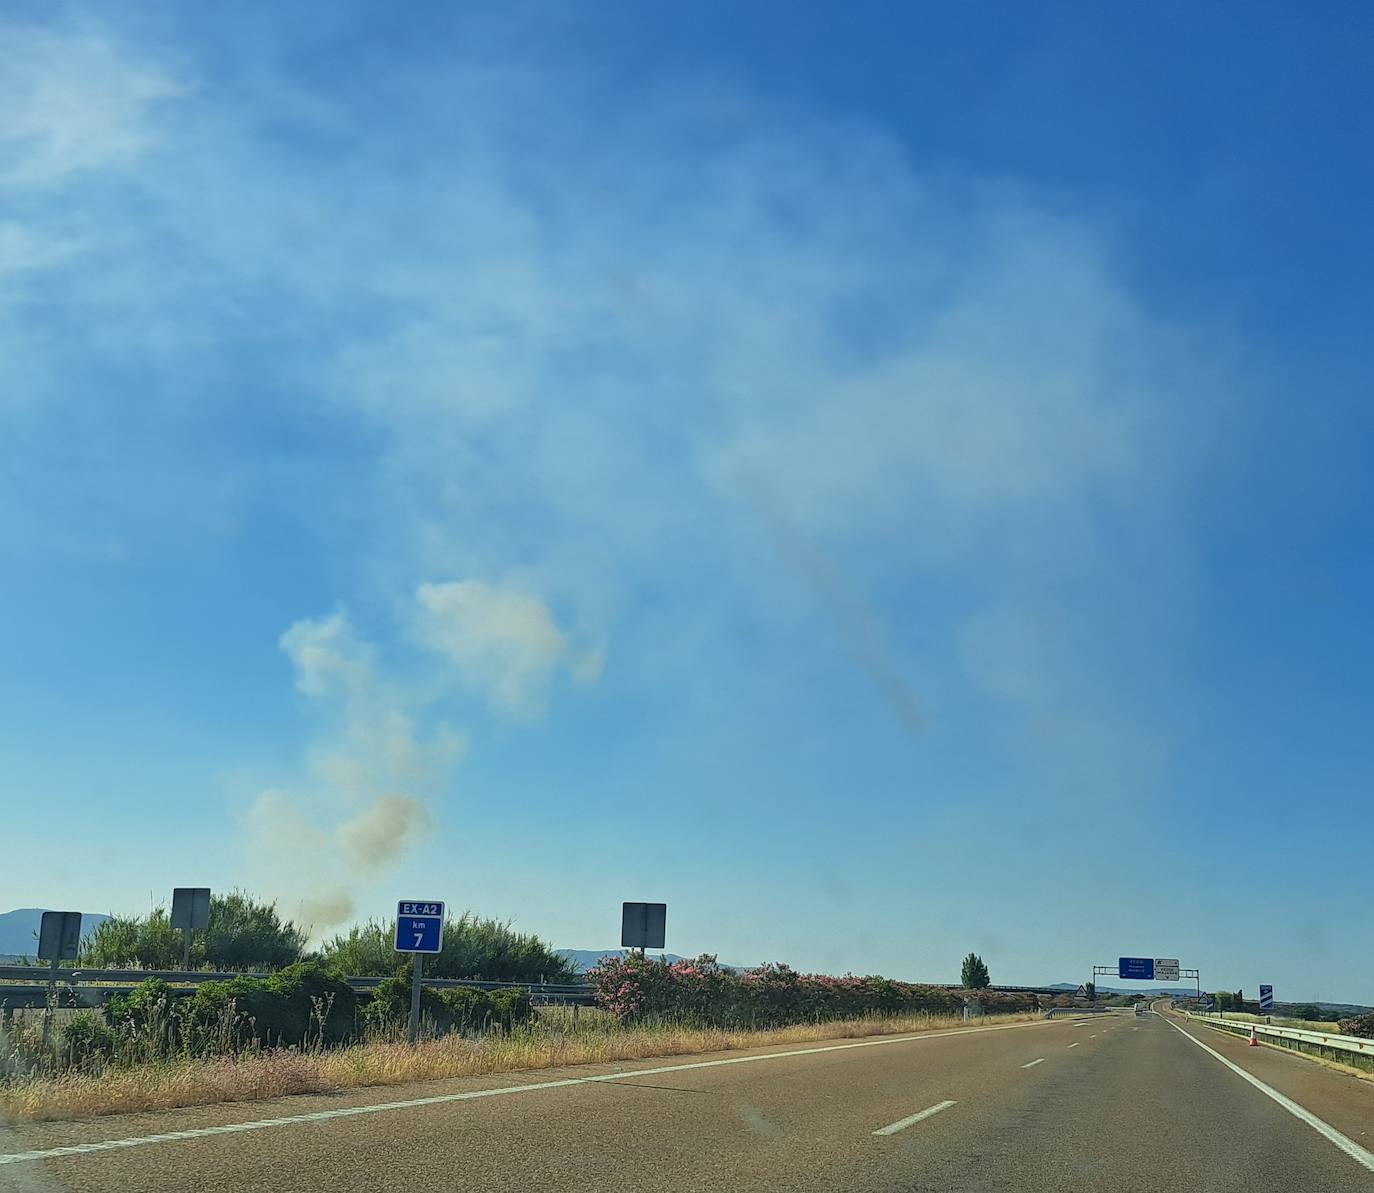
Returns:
(19,929)
(584,959)
(1341,1008)
(1152,991)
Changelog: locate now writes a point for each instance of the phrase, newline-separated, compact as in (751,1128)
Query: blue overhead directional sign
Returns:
(419,926)
(1142,969)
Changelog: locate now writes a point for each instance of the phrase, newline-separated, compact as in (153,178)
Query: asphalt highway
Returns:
(1110,1103)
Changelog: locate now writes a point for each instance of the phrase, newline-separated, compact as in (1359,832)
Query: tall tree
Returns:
(974,975)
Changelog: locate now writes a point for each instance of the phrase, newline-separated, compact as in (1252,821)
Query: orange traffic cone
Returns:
(1254,1037)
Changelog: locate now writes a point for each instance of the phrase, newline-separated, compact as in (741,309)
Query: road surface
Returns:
(1115,1102)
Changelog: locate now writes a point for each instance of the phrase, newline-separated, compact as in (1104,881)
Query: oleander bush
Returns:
(1359,1025)
(705,993)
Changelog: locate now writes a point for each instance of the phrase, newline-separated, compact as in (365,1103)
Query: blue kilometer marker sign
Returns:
(1142,969)
(419,926)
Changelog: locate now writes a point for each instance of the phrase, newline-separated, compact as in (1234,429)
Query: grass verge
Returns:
(198,1082)
(1351,1070)
(1327,1025)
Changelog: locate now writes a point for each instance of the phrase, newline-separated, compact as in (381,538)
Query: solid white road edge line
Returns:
(1347,1145)
(319,1116)
(903,1123)
(1037,1061)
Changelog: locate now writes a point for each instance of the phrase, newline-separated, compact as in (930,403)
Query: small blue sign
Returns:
(1211,1003)
(1141,969)
(419,926)
(1266,999)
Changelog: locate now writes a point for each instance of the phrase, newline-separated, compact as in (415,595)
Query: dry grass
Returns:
(554,1042)
(1326,1025)
(1351,1070)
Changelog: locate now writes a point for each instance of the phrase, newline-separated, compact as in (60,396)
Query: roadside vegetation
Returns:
(248,934)
(303,1028)
(485,949)
(1358,1025)
(1308,1016)
(1355,1025)
(244,933)
(974,973)
(552,1038)
(705,993)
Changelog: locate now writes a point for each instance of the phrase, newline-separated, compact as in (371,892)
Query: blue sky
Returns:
(885,485)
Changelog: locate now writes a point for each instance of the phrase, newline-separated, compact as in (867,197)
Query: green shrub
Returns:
(511,1009)
(389,1006)
(456,1008)
(88,1040)
(300,1005)
(246,934)
(147,1003)
(488,950)
(314,1003)
(145,1021)
(243,933)
(131,942)
(469,1008)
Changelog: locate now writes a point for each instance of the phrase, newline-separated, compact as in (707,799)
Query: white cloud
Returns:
(72,102)
(610,376)
(1028,386)
(504,643)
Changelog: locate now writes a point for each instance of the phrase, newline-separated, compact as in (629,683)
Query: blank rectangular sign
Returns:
(59,936)
(643,925)
(191,908)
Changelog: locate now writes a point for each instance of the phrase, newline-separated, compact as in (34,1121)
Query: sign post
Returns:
(59,939)
(190,913)
(419,930)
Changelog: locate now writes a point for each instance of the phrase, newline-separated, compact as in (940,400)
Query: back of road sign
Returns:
(191,908)
(643,925)
(59,936)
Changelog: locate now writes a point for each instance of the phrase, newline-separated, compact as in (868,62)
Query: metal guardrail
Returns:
(1347,1049)
(25,987)
(1079,1012)
(191,977)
